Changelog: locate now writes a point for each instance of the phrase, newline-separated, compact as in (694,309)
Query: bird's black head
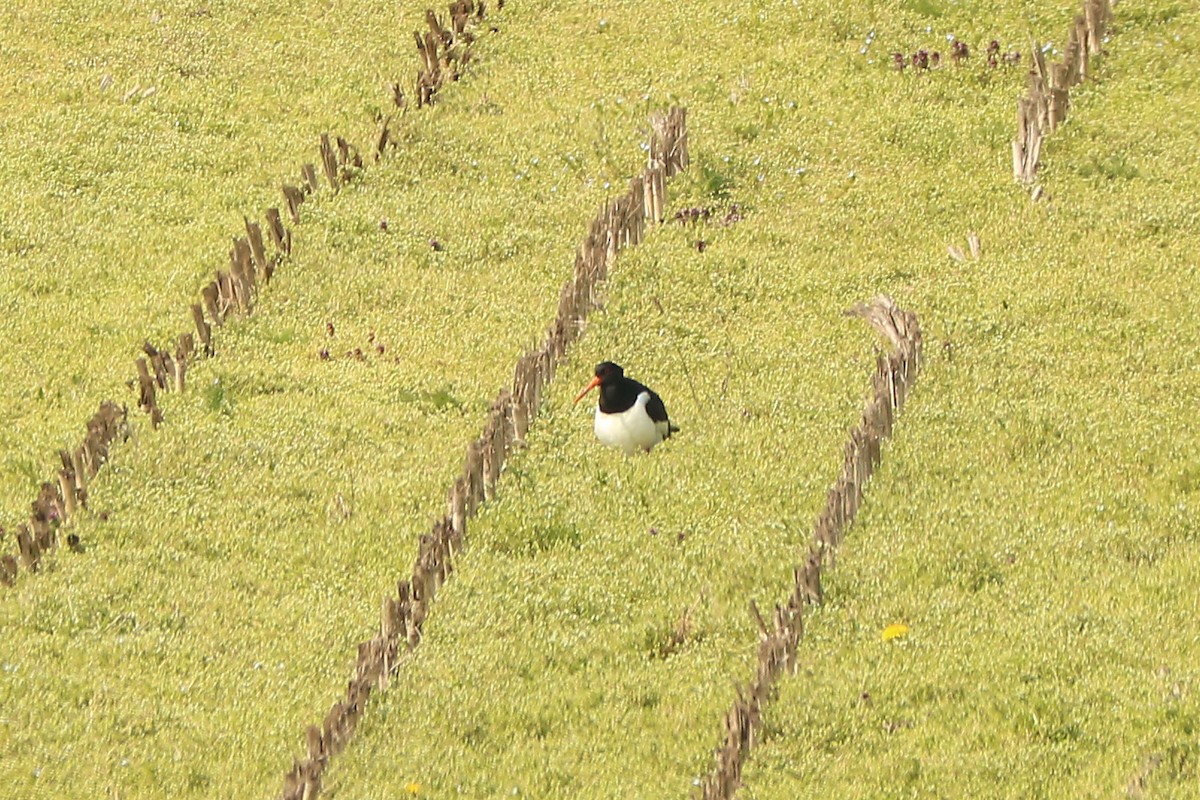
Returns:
(608,376)
(609,373)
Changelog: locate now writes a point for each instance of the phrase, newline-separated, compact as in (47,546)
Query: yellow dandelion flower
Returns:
(894,631)
(412,787)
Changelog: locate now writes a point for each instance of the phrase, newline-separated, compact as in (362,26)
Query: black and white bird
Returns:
(630,416)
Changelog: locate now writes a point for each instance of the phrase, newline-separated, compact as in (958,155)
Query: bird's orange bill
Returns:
(595,382)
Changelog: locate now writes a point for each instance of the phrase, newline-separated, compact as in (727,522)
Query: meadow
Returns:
(1033,522)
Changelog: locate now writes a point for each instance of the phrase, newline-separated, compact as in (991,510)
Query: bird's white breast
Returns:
(630,430)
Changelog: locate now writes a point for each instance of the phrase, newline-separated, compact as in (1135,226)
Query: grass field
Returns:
(1036,520)
(1033,522)
(288,486)
(120,206)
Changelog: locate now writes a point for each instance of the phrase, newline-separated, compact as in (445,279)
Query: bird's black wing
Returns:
(658,411)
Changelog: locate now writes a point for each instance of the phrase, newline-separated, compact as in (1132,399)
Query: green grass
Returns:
(1033,521)
(235,557)
(116,212)
(1061,363)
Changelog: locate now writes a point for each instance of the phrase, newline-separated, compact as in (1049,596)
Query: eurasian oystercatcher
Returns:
(630,415)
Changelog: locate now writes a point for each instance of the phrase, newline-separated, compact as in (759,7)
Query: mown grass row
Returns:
(1037,527)
(619,224)
(445,49)
(133,147)
(896,372)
